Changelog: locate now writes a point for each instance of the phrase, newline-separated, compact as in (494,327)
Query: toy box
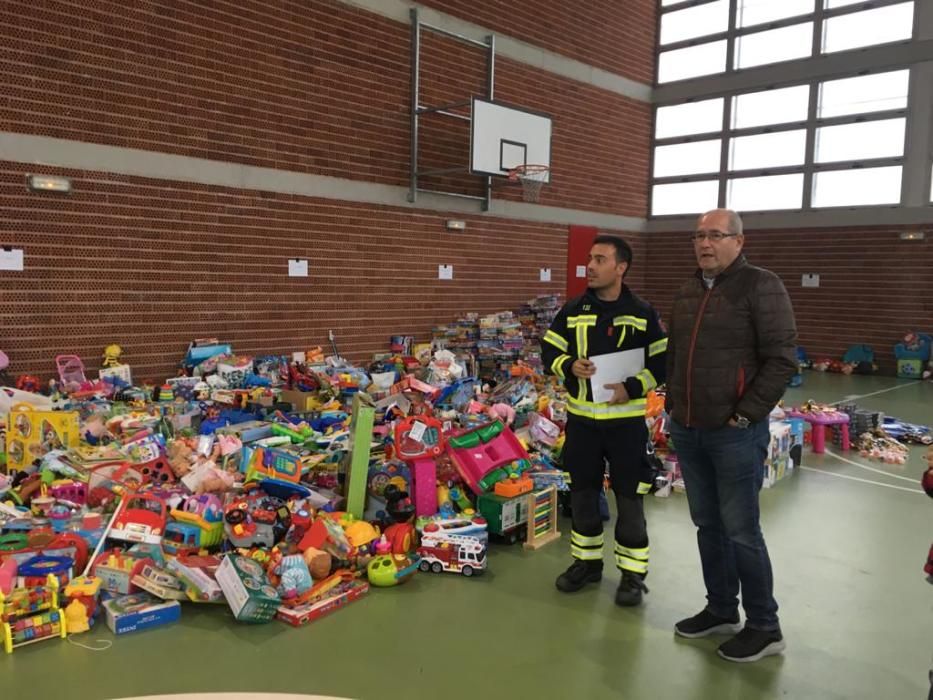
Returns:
(197,573)
(140,611)
(31,433)
(301,401)
(910,368)
(247,589)
(778,463)
(309,612)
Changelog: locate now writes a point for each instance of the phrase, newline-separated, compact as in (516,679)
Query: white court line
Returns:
(870,469)
(864,481)
(856,397)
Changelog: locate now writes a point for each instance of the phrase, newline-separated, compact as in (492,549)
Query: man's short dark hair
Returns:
(623,249)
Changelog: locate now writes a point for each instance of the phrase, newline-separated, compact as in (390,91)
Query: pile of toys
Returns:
(278,487)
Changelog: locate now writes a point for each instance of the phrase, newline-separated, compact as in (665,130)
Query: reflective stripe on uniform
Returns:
(585,554)
(557,341)
(633,321)
(643,487)
(657,347)
(584,319)
(631,559)
(648,382)
(633,565)
(557,366)
(586,548)
(606,411)
(584,541)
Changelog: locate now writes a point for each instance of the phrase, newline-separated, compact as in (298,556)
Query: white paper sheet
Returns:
(615,368)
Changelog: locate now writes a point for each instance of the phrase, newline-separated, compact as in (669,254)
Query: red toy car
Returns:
(142,519)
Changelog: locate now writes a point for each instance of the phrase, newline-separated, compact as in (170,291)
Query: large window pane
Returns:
(763,193)
(684,197)
(687,158)
(828,4)
(866,93)
(768,150)
(774,45)
(689,118)
(771,107)
(692,61)
(752,12)
(878,26)
(694,22)
(841,188)
(881,139)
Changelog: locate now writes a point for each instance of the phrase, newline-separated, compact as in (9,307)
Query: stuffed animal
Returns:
(181,456)
(112,355)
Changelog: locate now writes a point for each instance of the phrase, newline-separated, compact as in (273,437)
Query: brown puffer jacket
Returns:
(731,349)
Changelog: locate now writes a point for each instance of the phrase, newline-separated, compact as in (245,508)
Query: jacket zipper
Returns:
(693,341)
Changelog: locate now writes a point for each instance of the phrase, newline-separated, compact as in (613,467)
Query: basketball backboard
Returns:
(502,138)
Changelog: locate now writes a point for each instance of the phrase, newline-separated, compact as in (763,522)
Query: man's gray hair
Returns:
(735,221)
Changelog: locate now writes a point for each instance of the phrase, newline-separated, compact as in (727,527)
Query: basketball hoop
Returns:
(532,177)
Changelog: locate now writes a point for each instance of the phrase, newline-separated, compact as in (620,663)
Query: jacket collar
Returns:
(590,298)
(736,265)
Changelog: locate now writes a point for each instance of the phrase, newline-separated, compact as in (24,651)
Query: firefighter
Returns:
(608,318)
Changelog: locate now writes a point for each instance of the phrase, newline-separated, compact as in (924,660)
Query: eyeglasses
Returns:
(712,236)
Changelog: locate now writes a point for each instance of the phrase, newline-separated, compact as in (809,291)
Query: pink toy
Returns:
(7,575)
(419,440)
(818,420)
(479,452)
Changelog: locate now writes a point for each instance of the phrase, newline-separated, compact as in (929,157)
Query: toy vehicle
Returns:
(506,517)
(457,553)
(143,519)
(256,519)
(196,524)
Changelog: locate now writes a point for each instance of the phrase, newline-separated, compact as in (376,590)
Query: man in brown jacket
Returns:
(731,352)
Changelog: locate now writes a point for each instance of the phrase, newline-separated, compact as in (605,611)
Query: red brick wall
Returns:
(151,264)
(615,35)
(873,286)
(314,86)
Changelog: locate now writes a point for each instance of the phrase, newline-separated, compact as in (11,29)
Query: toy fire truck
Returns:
(441,551)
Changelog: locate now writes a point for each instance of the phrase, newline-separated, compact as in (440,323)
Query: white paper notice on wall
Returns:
(810,279)
(445,272)
(297,267)
(11,259)
(545,274)
(581,270)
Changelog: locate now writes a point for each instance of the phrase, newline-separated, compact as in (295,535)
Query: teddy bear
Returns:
(180,456)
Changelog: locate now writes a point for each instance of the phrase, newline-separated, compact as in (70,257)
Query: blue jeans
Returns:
(723,471)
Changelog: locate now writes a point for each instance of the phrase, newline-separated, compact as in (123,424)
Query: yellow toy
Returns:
(76,617)
(112,355)
(31,433)
(31,615)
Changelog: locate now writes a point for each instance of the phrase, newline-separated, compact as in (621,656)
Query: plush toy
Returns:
(822,364)
(112,355)
(180,456)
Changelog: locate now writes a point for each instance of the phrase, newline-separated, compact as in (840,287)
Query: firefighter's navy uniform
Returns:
(599,432)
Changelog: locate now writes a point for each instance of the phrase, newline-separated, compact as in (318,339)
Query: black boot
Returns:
(579,574)
(631,589)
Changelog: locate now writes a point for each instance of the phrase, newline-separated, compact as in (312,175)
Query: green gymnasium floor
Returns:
(848,540)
